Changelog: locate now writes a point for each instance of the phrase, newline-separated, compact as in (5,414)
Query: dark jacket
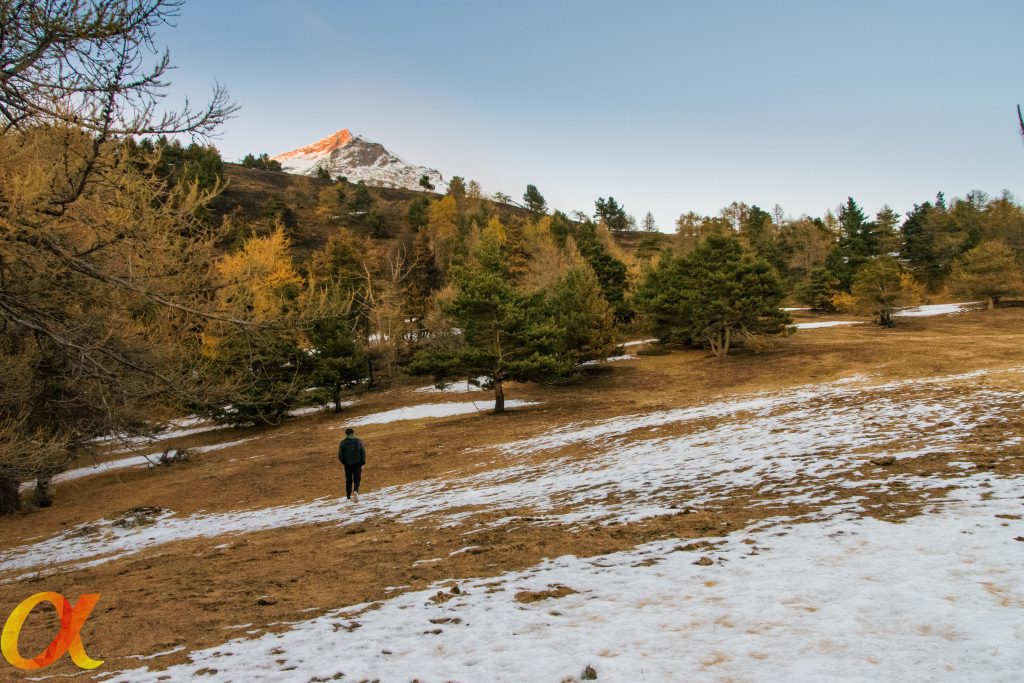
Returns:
(351,451)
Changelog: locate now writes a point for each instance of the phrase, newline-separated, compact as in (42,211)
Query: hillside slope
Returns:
(729,519)
(255,194)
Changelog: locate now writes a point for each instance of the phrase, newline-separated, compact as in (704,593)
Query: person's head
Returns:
(349,431)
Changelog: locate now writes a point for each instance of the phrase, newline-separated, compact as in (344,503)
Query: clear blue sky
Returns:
(668,106)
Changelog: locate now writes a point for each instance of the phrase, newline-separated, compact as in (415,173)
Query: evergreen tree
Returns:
(886,234)
(378,223)
(819,290)
(425,183)
(262,162)
(560,227)
(612,214)
(337,304)
(880,288)
(715,296)
(338,361)
(989,272)
(919,244)
(506,333)
(322,173)
(331,202)
(535,201)
(857,243)
(585,320)
(361,201)
(648,246)
(611,273)
(418,213)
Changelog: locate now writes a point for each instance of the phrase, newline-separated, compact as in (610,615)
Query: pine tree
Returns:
(988,271)
(425,183)
(716,296)
(612,214)
(611,273)
(584,318)
(336,302)
(378,223)
(535,201)
(856,245)
(919,244)
(417,213)
(507,333)
(361,201)
(819,289)
(262,162)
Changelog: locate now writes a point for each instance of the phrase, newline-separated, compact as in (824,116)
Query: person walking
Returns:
(352,455)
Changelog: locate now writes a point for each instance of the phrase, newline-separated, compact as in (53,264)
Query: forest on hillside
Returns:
(142,279)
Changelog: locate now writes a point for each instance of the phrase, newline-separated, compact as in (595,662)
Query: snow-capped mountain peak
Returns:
(356,158)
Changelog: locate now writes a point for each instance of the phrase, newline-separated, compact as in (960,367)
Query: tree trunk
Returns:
(337,398)
(499,399)
(991,303)
(726,342)
(10,500)
(718,343)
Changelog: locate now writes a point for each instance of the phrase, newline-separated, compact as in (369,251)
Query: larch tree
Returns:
(881,288)
(268,369)
(649,223)
(103,262)
(989,272)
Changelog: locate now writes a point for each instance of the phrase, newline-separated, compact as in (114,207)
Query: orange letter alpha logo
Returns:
(67,640)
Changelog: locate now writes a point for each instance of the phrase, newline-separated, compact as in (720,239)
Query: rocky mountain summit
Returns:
(356,158)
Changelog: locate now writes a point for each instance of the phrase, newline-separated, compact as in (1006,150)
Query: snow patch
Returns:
(794,444)
(936,597)
(429,410)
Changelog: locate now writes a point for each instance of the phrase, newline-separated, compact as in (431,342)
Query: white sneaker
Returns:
(355,496)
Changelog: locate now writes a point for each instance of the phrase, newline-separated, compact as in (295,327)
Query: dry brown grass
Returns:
(197,592)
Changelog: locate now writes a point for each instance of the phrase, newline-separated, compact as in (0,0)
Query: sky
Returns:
(667,106)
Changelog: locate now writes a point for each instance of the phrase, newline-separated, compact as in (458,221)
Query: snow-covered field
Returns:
(937,597)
